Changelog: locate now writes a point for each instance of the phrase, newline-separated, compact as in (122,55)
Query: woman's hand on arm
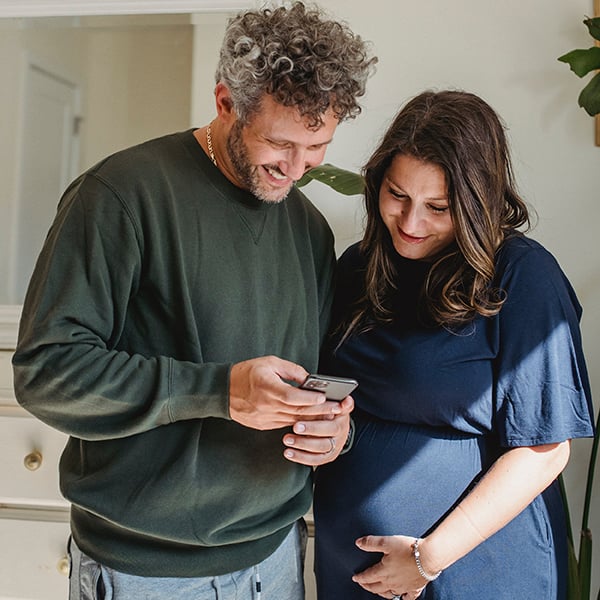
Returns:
(511,483)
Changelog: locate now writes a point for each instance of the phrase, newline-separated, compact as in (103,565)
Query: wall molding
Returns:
(58,8)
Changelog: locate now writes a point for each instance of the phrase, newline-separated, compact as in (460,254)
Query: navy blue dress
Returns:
(436,408)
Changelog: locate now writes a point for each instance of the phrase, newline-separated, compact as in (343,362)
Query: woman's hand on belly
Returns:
(396,574)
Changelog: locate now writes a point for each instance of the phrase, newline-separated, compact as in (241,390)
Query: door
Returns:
(49,159)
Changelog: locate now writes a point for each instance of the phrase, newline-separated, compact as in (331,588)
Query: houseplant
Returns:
(584,61)
(342,181)
(580,565)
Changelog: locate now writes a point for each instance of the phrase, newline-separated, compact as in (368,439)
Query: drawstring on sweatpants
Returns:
(257,583)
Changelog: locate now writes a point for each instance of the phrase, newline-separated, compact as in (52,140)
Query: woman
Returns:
(464,337)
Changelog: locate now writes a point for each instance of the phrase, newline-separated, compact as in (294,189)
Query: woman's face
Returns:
(413,203)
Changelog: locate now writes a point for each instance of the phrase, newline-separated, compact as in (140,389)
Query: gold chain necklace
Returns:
(209,144)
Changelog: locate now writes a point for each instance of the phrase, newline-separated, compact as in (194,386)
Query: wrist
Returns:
(424,566)
(349,438)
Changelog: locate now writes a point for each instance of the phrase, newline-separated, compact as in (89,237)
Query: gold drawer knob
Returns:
(64,566)
(33,461)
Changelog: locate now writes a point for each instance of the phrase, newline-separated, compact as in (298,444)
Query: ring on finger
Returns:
(332,442)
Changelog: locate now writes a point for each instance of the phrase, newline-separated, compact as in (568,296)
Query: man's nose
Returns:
(296,164)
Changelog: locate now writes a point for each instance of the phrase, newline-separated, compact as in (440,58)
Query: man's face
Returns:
(275,148)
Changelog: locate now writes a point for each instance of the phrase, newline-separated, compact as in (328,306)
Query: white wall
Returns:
(139,84)
(61,54)
(134,84)
(506,52)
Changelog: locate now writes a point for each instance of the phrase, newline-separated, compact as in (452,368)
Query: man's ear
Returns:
(224,102)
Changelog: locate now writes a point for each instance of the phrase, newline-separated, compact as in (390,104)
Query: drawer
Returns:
(30,452)
(33,560)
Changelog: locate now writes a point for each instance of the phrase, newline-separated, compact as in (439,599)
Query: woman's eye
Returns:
(438,209)
(397,195)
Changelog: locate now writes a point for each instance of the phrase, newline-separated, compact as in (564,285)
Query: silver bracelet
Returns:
(422,572)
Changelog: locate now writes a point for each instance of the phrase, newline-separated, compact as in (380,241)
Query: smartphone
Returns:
(334,388)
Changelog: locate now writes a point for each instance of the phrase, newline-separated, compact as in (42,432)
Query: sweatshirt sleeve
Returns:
(70,370)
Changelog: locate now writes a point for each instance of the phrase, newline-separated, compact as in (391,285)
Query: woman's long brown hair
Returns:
(462,134)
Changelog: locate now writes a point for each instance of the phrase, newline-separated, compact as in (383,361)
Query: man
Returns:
(180,297)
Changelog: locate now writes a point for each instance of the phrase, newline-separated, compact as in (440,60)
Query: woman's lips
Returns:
(410,239)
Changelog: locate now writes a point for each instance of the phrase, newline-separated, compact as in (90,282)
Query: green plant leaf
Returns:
(563,493)
(589,98)
(582,61)
(342,181)
(585,563)
(593,26)
(573,585)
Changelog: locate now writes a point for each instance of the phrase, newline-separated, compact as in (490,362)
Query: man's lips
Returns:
(276,176)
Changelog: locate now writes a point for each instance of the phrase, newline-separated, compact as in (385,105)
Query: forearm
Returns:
(93,393)
(512,483)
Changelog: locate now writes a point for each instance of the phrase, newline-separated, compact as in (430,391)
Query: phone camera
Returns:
(318,385)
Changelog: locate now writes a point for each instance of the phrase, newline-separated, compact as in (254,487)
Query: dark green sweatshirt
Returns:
(157,275)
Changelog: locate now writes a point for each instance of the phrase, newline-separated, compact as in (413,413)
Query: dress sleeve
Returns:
(542,393)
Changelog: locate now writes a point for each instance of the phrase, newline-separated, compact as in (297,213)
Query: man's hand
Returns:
(316,442)
(260,398)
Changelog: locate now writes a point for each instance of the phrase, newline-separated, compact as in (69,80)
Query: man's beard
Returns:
(247,173)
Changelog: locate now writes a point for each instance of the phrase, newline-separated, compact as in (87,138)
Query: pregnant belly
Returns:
(396,479)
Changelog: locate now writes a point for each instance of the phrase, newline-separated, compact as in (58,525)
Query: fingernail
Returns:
(288,454)
(289,441)
(299,427)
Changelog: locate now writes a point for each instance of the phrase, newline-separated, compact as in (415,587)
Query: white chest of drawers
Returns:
(34,518)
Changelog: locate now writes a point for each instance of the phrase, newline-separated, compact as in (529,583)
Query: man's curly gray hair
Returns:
(298,56)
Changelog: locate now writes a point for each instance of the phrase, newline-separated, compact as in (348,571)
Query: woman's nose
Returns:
(410,218)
